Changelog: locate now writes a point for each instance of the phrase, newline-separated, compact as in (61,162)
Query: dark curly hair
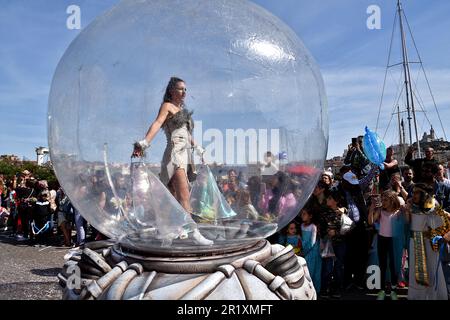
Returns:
(170,86)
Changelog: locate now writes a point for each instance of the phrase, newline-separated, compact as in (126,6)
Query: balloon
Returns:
(374,148)
(253,87)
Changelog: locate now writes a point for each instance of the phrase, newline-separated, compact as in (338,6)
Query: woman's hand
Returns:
(199,150)
(137,153)
(139,148)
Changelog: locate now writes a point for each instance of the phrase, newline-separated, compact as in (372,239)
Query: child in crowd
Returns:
(311,247)
(245,208)
(246,212)
(389,210)
(291,236)
(400,236)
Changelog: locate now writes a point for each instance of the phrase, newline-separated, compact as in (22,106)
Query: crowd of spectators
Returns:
(358,218)
(38,212)
(363,219)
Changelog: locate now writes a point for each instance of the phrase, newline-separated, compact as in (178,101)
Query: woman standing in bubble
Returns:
(177,163)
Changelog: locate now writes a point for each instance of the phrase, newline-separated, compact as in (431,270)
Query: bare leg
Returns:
(172,189)
(180,184)
(181,187)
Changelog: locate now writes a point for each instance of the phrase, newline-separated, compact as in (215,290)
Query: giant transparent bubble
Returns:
(254,88)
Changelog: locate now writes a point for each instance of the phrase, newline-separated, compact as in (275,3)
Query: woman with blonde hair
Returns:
(384,214)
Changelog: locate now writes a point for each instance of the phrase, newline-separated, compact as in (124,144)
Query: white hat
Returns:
(351,178)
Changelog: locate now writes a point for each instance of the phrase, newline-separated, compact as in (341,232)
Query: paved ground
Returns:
(28,272)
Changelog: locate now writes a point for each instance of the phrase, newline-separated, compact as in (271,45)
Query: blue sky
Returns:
(351,57)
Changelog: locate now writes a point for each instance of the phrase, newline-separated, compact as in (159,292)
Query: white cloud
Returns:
(354,98)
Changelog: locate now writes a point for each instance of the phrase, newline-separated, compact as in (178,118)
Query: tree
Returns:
(10,168)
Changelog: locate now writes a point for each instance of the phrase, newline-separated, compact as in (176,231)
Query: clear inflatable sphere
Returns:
(259,111)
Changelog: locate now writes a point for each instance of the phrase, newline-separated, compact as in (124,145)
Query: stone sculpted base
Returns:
(260,271)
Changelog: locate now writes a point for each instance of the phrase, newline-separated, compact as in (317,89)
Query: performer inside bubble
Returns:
(177,167)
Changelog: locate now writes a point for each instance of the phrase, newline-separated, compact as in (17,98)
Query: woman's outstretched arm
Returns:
(139,147)
(158,123)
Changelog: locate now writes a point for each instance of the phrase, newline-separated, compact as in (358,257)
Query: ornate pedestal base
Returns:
(259,271)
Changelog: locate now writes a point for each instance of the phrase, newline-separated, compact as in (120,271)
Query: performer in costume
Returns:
(177,163)
(426,278)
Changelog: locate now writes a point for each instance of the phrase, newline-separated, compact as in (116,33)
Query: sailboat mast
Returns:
(408,87)
(400,131)
(403,132)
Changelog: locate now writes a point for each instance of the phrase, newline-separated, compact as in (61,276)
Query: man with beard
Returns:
(408,177)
